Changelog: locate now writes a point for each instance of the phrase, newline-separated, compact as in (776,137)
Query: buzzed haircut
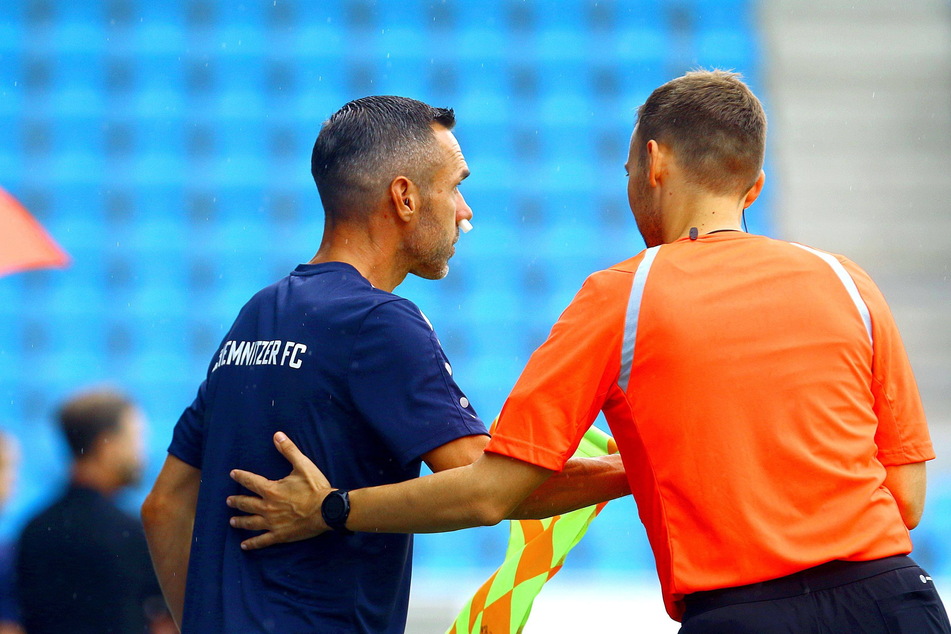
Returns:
(715,126)
(87,416)
(368,143)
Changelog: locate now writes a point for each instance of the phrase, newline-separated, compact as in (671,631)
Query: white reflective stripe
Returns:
(849,285)
(633,313)
(426,319)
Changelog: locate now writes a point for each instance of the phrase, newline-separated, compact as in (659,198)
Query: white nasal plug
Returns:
(465,226)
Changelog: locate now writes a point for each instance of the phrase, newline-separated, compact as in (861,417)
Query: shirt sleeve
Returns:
(567,379)
(902,436)
(188,438)
(402,383)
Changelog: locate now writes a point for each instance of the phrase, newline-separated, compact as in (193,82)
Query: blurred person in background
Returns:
(82,563)
(9,606)
(359,375)
(758,391)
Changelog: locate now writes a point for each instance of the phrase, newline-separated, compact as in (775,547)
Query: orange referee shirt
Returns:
(756,389)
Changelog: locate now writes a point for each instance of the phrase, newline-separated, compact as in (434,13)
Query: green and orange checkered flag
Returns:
(536,552)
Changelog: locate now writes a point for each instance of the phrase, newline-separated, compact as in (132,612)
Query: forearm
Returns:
(583,482)
(907,483)
(446,501)
(169,537)
(480,494)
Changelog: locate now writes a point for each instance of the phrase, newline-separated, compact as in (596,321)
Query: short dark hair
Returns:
(715,125)
(87,416)
(367,143)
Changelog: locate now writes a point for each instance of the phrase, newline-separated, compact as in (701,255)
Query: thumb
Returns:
(299,461)
(289,450)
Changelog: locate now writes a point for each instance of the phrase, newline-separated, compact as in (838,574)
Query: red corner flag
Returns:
(24,244)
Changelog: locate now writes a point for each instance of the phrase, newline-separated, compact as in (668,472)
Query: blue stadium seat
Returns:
(720,14)
(481,17)
(241,61)
(487,247)
(170,12)
(243,19)
(566,131)
(729,48)
(477,552)
(160,143)
(570,16)
(153,169)
(483,143)
(407,15)
(159,41)
(12,14)
(78,146)
(416,78)
(155,100)
(239,103)
(74,100)
(12,39)
(321,38)
(78,33)
(564,44)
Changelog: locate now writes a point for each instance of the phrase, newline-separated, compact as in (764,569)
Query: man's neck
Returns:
(91,475)
(689,209)
(373,257)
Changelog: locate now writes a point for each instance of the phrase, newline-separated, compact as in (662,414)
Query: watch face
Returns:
(334,506)
(335,509)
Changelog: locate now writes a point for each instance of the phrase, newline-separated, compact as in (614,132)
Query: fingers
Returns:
(249,522)
(259,541)
(247,503)
(250,481)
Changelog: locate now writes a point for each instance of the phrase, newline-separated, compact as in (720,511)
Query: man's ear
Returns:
(656,163)
(755,190)
(404,194)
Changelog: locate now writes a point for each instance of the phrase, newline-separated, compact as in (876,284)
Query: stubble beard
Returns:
(647,215)
(131,474)
(429,247)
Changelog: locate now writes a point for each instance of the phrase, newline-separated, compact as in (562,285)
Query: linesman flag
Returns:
(24,244)
(536,552)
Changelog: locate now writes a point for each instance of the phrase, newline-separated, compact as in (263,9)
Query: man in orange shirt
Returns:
(758,390)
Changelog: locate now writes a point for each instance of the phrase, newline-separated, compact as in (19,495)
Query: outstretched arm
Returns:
(483,493)
(583,482)
(168,515)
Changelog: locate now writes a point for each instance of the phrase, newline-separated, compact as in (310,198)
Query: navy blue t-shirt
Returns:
(359,381)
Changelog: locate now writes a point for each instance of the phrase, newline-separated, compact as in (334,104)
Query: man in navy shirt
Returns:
(354,372)
(82,565)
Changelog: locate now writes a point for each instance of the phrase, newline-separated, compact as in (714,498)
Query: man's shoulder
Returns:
(397,315)
(51,512)
(829,257)
(339,297)
(75,508)
(623,268)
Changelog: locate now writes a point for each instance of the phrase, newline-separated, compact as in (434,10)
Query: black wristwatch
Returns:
(335,510)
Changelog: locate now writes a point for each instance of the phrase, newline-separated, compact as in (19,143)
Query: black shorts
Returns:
(885,596)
